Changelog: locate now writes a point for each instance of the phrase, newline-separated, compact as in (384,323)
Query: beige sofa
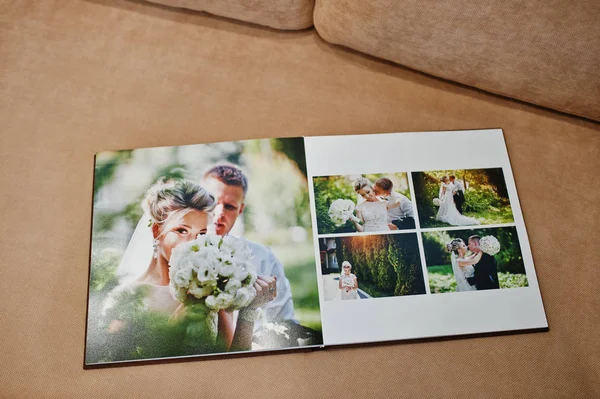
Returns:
(81,76)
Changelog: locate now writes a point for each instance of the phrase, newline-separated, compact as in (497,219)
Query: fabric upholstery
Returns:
(82,76)
(279,14)
(539,51)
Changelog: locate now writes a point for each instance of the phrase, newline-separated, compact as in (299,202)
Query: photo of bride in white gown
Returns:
(448,211)
(462,264)
(461,197)
(371,211)
(364,203)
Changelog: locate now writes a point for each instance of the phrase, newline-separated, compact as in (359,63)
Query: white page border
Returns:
(428,315)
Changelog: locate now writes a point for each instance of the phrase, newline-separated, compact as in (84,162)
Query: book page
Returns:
(419,235)
(201,250)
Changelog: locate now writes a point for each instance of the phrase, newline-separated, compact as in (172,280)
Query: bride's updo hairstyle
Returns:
(444,179)
(361,183)
(453,245)
(169,197)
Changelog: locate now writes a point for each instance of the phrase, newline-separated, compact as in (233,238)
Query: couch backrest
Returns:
(545,52)
(279,14)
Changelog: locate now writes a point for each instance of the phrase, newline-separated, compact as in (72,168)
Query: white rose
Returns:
(229,244)
(240,273)
(251,272)
(221,301)
(210,257)
(211,302)
(212,240)
(201,240)
(206,274)
(244,296)
(226,270)
(200,291)
(225,252)
(224,300)
(182,276)
(233,285)
(178,254)
(207,253)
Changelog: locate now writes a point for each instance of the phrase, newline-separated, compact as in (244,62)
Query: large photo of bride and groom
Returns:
(371,266)
(474,260)
(462,197)
(192,253)
(363,203)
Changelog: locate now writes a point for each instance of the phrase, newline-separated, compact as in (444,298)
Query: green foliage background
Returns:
(385,265)
(486,196)
(330,188)
(511,269)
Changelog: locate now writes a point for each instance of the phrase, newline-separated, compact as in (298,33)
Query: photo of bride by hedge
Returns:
(466,197)
(364,267)
(363,203)
(191,256)
(474,260)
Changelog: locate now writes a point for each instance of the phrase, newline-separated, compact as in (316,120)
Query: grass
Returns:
(441,279)
(440,269)
(491,216)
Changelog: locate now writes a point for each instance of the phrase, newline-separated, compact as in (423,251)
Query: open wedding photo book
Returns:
(279,244)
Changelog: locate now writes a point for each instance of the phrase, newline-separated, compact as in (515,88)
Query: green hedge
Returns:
(390,262)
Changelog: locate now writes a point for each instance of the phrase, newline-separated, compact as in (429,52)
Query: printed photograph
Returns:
(373,266)
(201,249)
(462,197)
(363,203)
(473,260)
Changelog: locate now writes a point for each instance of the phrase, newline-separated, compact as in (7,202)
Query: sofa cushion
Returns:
(279,14)
(542,52)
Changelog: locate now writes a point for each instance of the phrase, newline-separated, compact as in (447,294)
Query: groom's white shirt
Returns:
(458,186)
(281,308)
(404,210)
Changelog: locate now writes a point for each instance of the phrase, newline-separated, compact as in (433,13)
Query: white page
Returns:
(426,315)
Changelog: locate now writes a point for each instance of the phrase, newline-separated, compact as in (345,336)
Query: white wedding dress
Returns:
(461,274)
(348,280)
(375,215)
(448,212)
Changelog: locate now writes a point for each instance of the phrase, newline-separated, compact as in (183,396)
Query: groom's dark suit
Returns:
(486,274)
(459,200)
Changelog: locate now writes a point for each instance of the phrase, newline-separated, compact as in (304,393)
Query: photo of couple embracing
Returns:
(205,270)
(474,259)
(473,268)
(363,203)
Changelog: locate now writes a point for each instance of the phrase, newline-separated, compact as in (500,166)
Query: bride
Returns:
(462,265)
(178,211)
(448,213)
(372,212)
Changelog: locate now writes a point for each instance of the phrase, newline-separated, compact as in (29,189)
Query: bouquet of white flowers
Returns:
(341,210)
(214,270)
(347,281)
(489,245)
(437,202)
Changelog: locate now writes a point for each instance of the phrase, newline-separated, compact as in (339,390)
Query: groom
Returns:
(399,218)
(458,193)
(229,185)
(486,272)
